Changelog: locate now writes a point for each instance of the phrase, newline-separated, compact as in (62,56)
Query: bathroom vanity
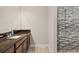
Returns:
(19,43)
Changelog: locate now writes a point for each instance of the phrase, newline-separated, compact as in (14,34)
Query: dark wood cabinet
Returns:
(15,45)
(20,46)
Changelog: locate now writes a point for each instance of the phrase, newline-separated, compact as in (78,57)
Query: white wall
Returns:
(52,28)
(8,18)
(35,18)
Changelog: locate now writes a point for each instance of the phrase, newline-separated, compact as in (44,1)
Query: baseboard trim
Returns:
(43,45)
(50,50)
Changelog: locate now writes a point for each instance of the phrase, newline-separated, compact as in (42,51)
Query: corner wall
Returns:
(52,28)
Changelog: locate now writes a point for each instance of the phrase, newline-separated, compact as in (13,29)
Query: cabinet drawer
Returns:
(19,43)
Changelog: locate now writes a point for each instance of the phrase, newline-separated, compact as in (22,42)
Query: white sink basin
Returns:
(14,37)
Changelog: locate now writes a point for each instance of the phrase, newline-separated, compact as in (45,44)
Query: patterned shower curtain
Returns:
(68,29)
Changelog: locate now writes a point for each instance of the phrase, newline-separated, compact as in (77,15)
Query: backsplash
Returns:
(68,29)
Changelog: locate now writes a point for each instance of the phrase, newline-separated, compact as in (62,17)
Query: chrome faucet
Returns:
(12,32)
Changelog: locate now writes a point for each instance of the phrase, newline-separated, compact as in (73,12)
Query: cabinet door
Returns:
(10,50)
(25,46)
(22,46)
(19,49)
